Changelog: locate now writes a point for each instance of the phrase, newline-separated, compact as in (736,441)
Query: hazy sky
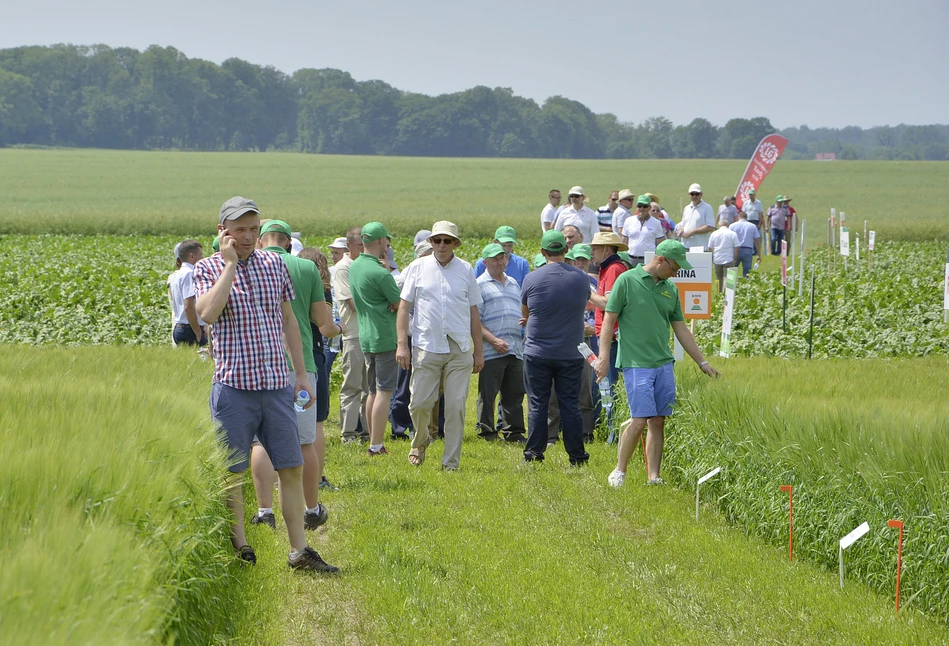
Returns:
(815,62)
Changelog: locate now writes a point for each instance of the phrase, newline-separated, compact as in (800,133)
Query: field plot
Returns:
(124,192)
(494,553)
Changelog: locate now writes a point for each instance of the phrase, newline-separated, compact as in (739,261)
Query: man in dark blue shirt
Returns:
(553,301)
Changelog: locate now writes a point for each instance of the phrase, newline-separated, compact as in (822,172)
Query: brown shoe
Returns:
(383,451)
(311,560)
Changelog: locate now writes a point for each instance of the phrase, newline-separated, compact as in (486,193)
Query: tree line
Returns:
(103,97)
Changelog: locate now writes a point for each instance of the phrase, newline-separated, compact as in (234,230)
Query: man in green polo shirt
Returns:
(645,303)
(376,298)
(307,306)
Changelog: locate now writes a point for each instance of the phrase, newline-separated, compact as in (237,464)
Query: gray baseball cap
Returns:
(236,207)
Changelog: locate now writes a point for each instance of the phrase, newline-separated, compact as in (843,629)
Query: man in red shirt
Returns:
(606,246)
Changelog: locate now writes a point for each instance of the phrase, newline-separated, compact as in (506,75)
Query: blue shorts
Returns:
(651,392)
(268,414)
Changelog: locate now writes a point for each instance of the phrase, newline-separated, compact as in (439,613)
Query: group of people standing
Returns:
(408,342)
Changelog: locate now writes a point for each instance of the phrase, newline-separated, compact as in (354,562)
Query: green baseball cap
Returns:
(505,234)
(276,226)
(675,251)
(569,255)
(539,260)
(582,251)
(492,251)
(624,256)
(779,198)
(553,242)
(643,200)
(374,231)
(751,191)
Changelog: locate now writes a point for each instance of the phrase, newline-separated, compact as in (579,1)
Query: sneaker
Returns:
(617,478)
(516,438)
(311,561)
(313,519)
(246,555)
(382,451)
(326,484)
(267,519)
(656,481)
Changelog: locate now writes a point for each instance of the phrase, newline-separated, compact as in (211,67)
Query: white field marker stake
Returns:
(711,474)
(846,542)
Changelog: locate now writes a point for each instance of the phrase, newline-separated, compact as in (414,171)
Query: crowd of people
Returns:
(277,317)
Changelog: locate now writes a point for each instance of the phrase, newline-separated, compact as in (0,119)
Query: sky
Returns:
(829,63)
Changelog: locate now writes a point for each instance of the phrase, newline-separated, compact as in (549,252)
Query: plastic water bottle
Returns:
(757,263)
(587,352)
(606,393)
(302,398)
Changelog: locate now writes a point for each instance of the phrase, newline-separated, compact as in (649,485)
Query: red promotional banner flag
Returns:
(766,154)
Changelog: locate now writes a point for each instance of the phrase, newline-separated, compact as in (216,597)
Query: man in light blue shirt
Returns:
(517,267)
(749,241)
(503,370)
(753,209)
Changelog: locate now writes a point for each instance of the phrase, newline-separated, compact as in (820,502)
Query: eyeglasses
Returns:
(674,268)
(436,241)
(694,194)
(573,196)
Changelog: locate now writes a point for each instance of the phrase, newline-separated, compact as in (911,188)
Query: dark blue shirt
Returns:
(556,295)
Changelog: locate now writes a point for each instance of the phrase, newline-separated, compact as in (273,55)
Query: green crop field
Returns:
(97,191)
(113,525)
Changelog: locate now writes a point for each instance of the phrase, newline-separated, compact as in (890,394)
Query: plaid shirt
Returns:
(248,335)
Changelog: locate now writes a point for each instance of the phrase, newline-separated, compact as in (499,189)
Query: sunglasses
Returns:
(573,196)
(694,194)
(436,241)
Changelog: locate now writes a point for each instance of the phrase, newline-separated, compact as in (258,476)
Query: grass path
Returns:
(503,553)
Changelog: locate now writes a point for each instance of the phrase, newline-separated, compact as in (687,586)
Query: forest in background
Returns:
(103,97)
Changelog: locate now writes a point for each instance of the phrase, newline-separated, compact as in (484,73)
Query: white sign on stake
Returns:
(846,542)
(844,241)
(711,474)
(871,240)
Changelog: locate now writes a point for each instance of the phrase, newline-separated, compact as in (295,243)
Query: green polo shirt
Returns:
(309,289)
(373,290)
(645,308)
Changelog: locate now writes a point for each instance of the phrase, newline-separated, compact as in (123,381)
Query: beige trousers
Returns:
(429,370)
(354,391)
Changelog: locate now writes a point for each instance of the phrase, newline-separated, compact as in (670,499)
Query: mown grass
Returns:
(156,193)
(113,524)
(859,441)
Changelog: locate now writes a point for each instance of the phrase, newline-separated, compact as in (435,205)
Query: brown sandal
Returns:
(417,457)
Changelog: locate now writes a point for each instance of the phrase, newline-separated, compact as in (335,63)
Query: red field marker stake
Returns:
(898,524)
(790,491)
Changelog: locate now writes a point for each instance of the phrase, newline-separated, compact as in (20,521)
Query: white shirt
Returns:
(342,293)
(181,286)
(694,217)
(549,214)
(753,208)
(723,243)
(643,236)
(620,215)
(443,298)
(584,219)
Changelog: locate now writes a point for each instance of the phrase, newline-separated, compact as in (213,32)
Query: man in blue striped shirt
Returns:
(517,267)
(503,349)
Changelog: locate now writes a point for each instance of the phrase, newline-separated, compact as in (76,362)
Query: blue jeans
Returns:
(745,256)
(777,235)
(565,376)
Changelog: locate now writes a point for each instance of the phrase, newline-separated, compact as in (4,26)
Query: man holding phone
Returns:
(245,293)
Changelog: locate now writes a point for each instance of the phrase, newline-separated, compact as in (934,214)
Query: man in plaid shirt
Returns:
(245,294)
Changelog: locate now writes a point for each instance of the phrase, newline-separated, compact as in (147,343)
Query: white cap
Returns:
(339,243)
(695,188)
(295,247)
(576,190)
(177,247)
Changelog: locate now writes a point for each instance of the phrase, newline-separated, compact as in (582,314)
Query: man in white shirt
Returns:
(578,215)
(354,391)
(728,210)
(724,247)
(446,340)
(624,202)
(698,220)
(189,328)
(754,208)
(643,232)
(549,214)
